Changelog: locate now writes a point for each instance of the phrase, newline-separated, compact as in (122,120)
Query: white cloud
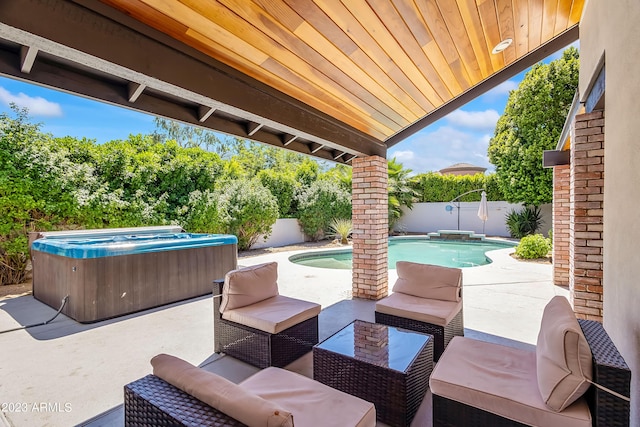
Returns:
(504,88)
(478,120)
(37,106)
(403,156)
(445,146)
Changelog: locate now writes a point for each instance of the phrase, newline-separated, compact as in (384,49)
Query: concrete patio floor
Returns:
(67,373)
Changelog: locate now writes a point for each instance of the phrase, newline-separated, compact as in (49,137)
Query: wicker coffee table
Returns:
(387,366)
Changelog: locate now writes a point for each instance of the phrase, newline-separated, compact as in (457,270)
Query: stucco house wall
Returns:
(610,28)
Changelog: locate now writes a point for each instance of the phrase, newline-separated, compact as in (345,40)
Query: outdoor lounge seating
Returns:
(255,324)
(426,298)
(179,393)
(481,383)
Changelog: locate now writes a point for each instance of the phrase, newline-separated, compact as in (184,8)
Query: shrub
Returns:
(533,246)
(341,229)
(282,186)
(524,222)
(200,215)
(246,209)
(36,185)
(319,204)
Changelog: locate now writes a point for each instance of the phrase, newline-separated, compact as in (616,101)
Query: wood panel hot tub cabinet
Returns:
(106,287)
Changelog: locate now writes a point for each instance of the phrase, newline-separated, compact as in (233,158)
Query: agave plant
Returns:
(341,229)
(524,222)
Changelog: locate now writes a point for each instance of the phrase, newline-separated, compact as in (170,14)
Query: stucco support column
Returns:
(561,222)
(370,227)
(586,230)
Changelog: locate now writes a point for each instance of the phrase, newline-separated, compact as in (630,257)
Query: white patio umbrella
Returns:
(483,210)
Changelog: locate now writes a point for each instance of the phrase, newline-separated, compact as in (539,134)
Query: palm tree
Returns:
(401,193)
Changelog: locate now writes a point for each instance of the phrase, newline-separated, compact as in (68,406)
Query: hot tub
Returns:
(109,273)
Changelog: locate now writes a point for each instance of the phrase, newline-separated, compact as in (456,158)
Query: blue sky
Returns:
(461,137)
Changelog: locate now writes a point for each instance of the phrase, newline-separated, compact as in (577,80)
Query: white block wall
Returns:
(423,218)
(286,231)
(429,217)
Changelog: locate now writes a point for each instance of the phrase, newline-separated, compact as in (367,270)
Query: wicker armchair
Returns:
(426,298)
(481,383)
(255,324)
(180,394)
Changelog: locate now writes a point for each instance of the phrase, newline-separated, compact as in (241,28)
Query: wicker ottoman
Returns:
(387,366)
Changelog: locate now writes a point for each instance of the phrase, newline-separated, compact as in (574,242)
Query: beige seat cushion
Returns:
(274,314)
(433,311)
(563,356)
(311,403)
(429,281)
(501,380)
(249,285)
(220,393)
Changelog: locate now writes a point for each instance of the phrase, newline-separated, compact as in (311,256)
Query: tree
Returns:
(190,136)
(532,122)
(401,193)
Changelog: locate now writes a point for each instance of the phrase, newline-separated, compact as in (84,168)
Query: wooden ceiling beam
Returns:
(49,74)
(338,154)
(205,112)
(288,139)
(114,43)
(27,58)
(253,127)
(135,90)
(314,148)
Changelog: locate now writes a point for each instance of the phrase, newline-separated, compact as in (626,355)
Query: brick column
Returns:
(561,221)
(370,227)
(586,230)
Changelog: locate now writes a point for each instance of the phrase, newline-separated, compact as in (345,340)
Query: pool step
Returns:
(456,235)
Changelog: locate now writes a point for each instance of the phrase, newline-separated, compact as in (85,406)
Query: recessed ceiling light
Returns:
(502,46)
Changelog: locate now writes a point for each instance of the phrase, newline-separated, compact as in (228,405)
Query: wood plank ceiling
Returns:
(378,66)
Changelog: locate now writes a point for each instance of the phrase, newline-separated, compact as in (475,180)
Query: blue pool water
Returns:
(102,246)
(444,253)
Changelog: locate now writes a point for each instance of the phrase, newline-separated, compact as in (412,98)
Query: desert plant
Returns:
(533,246)
(524,222)
(341,229)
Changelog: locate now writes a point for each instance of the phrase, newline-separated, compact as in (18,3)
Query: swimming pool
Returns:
(445,253)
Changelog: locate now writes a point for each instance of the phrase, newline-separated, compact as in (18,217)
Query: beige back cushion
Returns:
(429,281)
(220,393)
(563,357)
(249,285)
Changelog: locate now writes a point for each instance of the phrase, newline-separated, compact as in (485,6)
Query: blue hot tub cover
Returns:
(103,246)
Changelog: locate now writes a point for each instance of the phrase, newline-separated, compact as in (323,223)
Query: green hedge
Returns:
(434,187)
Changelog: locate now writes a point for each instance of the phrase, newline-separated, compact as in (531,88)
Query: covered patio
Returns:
(87,365)
(346,81)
